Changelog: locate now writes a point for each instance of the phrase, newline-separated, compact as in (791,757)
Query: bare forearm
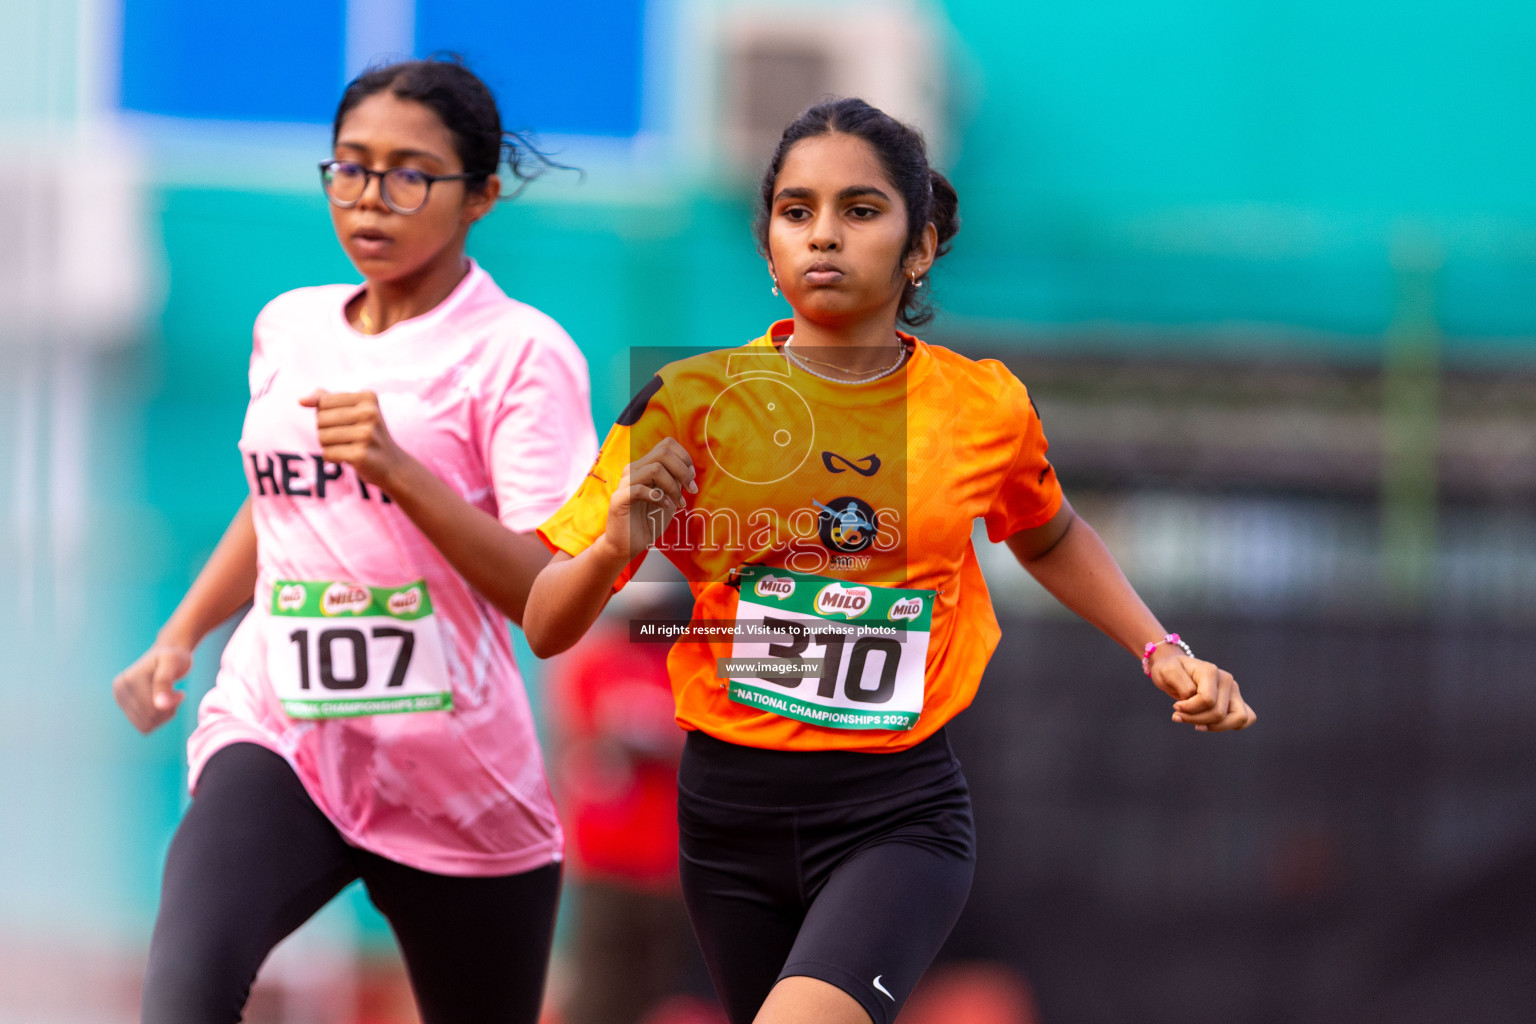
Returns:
(1079,571)
(499,563)
(226,582)
(568,596)
(571,591)
(1068,559)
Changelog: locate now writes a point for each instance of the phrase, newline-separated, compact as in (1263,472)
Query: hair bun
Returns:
(945,213)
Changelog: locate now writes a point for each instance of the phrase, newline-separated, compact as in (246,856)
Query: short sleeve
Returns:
(539,435)
(263,368)
(584,517)
(1029,493)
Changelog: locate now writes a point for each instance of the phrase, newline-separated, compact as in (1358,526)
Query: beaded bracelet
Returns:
(1171,638)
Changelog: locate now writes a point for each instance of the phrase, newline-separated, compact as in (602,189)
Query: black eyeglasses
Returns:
(403,189)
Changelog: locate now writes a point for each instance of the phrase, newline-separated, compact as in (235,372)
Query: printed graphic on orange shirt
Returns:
(846,524)
(869,465)
(770,440)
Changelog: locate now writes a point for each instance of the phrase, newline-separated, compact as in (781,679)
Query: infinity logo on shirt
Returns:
(870,464)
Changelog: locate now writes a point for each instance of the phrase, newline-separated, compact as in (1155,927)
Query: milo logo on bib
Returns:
(290,597)
(331,599)
(774,586)
(849,602)
(404,602)
(909,608)
(345,599)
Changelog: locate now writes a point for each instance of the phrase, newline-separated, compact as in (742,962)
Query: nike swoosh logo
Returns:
(882,988)
(871,461)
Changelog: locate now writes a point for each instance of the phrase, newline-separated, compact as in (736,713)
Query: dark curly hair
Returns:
(929,196)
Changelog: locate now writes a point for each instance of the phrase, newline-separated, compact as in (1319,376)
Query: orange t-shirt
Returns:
(873,484)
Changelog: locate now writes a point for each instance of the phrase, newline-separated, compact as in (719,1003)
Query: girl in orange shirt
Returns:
(818,487)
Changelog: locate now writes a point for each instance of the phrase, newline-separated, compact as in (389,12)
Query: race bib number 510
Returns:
(828,652)
(338,650)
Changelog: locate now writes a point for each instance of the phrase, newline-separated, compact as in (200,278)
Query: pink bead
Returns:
(1146,656)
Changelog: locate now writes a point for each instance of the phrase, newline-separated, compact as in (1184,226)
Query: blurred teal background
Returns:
(1220,189)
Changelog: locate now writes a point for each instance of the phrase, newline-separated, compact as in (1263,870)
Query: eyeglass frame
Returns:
(369,174)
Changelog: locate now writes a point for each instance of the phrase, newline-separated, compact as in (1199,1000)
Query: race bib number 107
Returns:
(339,650)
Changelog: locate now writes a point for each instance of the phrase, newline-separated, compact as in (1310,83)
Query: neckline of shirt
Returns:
(467,283)
(854,394)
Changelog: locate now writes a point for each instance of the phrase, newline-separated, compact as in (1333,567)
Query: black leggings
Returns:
(845,867)
(254,858)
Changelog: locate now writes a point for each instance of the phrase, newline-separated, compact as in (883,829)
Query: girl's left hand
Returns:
(352,431)
(1205,695)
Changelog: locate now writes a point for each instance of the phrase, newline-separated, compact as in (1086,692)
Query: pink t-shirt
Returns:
(492,396)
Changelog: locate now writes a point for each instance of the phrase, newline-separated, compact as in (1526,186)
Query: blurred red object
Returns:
(617,768)
(976,993)
(685,1010)
(631,953)
(384,992)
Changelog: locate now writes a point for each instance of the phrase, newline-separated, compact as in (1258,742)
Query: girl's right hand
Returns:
(648,495)
(146,690)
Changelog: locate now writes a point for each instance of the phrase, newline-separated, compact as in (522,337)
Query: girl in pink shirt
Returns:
(403,441)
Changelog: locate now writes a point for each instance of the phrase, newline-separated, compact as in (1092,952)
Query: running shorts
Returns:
(842,866)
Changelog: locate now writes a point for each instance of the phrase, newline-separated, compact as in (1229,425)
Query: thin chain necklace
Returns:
(364,321)
(801,361)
